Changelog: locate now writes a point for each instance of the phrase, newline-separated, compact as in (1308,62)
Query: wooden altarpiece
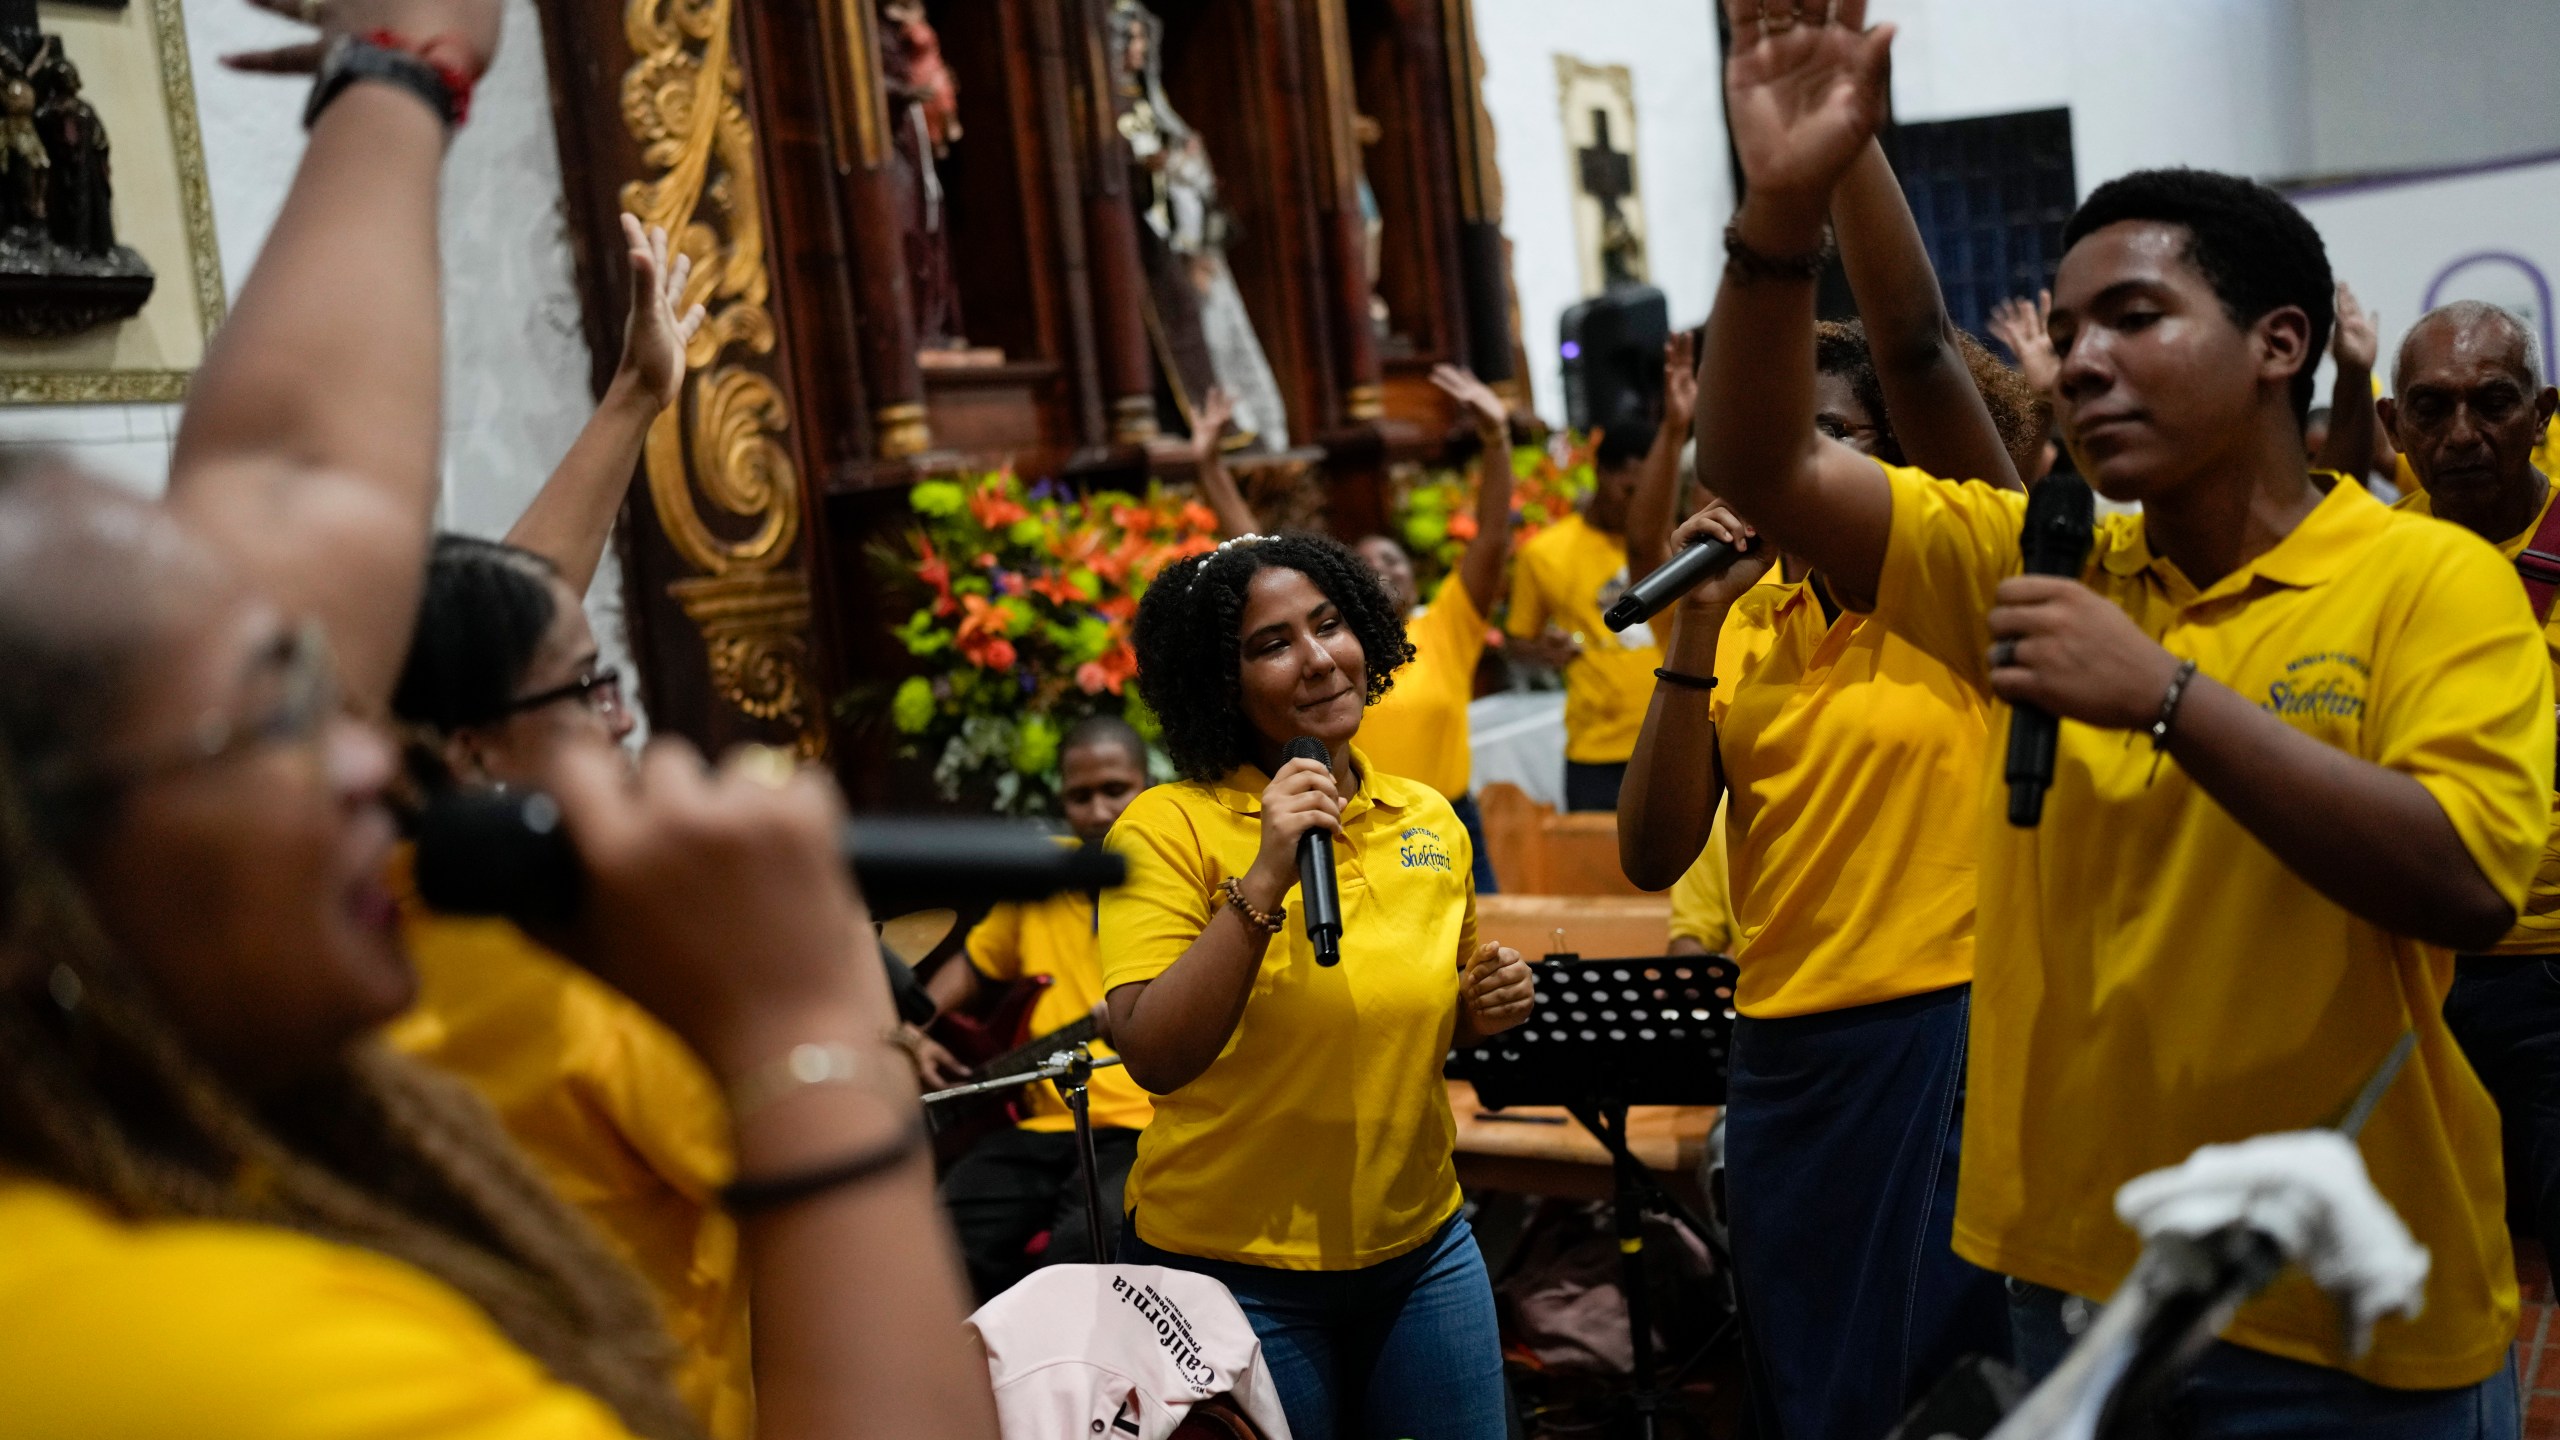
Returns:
(760,133)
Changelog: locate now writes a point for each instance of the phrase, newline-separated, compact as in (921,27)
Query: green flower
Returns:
(1091,636)
(912,709)
(1019,617)
(1424,530)
(1027,532)
(923,635)
(1035,745)
(938,498)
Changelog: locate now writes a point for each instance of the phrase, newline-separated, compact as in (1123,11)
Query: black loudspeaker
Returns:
(1485,265)
(1611,346)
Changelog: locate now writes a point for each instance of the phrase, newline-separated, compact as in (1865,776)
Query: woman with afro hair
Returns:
(1301,1151)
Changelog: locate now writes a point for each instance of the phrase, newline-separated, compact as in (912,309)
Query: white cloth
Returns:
(1518,736)
(1120,1352)
(2308,1191)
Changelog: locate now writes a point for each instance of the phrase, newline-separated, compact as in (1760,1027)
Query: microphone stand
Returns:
(1072,1070)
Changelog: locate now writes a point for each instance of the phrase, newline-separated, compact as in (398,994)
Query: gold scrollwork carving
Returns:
(722,482)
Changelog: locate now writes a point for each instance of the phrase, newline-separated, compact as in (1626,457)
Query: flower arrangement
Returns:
(1024,598)
(1436,514)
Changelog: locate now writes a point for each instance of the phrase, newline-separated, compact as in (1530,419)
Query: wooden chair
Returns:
(1536,851)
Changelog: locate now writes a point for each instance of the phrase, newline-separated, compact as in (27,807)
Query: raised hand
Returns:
(460,33)
(655,335)
(1209,423)
(1805,89)
(2357,341)
(1680,381)
(1718,522)
(2019,323)
(1473,395)
(1302,797)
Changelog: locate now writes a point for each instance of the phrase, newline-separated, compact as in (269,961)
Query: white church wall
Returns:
(516,360)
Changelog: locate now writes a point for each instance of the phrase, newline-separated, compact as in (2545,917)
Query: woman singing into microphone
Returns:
(1301,1146)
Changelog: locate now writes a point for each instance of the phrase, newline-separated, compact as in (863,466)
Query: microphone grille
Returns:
(1307,747)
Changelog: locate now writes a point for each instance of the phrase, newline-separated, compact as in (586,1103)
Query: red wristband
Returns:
(458,82)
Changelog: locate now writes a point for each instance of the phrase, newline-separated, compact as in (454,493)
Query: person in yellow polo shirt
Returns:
(1561,582)
(1845,758)
(2305,753)
(2469,404)
(1420,731)
(1702,902)
(1302,1151)
(1019,1184)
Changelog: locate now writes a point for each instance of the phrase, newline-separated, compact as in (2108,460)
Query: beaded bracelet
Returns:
(1266,921)
(2169,704)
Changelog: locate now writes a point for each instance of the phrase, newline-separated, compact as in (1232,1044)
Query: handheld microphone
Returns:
(488,853)
(1675,577)
(2061,521)
(1319,890)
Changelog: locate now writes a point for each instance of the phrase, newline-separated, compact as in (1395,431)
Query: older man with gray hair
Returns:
(2469,407)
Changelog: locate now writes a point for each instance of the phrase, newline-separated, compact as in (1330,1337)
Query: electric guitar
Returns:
(959,1124)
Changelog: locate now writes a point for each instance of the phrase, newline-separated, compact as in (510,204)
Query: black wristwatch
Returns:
(351,58)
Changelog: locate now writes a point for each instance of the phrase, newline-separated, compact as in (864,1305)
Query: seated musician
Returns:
(1020,1182)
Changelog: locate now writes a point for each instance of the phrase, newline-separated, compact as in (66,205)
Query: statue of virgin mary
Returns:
(1197,318)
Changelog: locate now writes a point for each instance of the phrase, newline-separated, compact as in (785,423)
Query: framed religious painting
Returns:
(110,283)
(1599,104)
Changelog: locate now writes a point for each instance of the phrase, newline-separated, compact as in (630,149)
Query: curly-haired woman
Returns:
(1301,1150)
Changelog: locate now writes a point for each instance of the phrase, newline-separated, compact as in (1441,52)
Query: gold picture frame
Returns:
(125,56)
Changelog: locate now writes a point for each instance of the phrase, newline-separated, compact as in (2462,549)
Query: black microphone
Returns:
(1673,578)
(483,852)
(2062,518)
(1319,891)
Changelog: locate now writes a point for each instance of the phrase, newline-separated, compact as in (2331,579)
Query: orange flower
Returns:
(981,639)
(1057,590)
(1196,516)
(1116,668)
(1462,526)
(932,571)
(992,507)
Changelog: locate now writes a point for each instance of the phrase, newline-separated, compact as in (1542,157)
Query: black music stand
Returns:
(1071,1067)
(1608,1034)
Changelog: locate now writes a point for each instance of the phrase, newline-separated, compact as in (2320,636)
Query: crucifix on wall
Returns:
(1600,136)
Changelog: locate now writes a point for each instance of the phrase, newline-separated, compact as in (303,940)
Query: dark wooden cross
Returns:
(1608,174)
(18,26)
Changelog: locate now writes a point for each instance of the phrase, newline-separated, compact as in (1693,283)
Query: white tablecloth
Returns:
(1518,736)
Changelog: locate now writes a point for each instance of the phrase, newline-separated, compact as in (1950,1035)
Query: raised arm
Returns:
(1480,569)
(1803,102)
(1217,484)
(572,516)
(2355,428)
(1655,507)
(1945,427)
(308,448)
(1675,778)
(2019,323)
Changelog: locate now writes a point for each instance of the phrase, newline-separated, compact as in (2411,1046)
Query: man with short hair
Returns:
(2469,405)
(1561,584)
(2305,750)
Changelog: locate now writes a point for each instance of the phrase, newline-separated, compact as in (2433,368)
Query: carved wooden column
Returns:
(1111,230)
(886,313)
(1337,152)
(653,117)
(1484,256)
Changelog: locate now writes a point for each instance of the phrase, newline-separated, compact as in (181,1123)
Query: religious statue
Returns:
(1373,225)
(1203,335)
(924,120)
(61,270)
(83,218)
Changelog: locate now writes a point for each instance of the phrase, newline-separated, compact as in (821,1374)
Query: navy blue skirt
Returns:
(1841,1138)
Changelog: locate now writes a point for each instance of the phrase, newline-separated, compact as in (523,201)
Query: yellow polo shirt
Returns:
(1851,759)
(2150,978)
(224,1331)
(1568,575)
(619,1115)
(1320,1138)
(1056,937)
(2537,929)
(1702,898)
(1420,730)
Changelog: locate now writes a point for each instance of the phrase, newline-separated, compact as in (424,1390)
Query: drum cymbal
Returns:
(915,936)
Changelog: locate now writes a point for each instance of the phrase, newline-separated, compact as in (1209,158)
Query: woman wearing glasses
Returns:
(504,676)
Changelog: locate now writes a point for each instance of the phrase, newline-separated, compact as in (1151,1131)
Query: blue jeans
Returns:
(2504,1011)
(1404,1350)
(2235,1393)
(1473,819)
(1842,1131)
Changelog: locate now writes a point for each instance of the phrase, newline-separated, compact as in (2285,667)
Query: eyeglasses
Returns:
(1841,430)
(598,690)
(295,669)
